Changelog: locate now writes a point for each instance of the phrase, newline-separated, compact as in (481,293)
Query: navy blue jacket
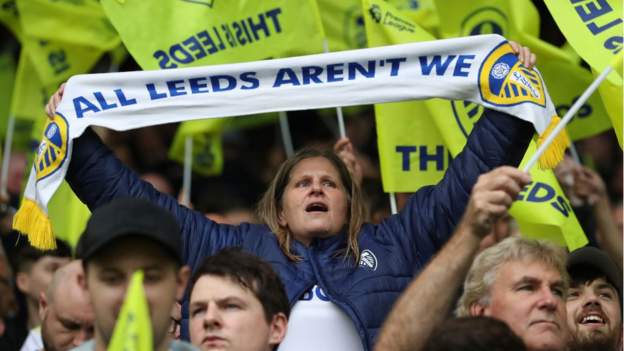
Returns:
(395,250)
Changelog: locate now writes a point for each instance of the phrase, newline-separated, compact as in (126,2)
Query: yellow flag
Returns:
(411,151)
(133,330)
(207,155)
(68,215)
(203,32)
(421,12)
(343,21)
(455,120)
(81,23)
(566,82)
(543,211)
(239,31)
(460,18)
(27,104)
(9,16)
(55,61)
(343,24)
(594,29)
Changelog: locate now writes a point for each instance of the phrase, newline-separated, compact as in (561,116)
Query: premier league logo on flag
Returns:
(503,80)
(52,149)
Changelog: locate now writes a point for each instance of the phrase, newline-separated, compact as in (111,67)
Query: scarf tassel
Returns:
(32,220)
(555,151)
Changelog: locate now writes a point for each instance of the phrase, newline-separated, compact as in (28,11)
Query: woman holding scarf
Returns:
(341,275)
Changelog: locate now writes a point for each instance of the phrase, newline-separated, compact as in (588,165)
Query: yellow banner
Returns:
(27,104)
(343,21)
(9,16)
(205,32)
(81,23)
(411,151)
(239,31)
(593,28)
(460,18)
(543,211)
(68,215)
(55,61)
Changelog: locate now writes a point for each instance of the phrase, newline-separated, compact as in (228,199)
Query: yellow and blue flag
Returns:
(133,330)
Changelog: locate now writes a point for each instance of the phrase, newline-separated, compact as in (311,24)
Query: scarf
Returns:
(482,69)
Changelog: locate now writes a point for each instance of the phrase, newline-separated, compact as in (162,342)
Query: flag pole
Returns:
(187,175)
(574,153)
(341,124)
(6,157)
(393,203)
(571,112)
(286,138)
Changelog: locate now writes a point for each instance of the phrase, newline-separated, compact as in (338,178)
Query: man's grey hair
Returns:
(484,268)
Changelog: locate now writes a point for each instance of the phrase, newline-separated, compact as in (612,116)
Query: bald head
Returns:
(65,309)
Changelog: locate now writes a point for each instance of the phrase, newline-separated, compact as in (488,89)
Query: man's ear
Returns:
(43,305)
(82,280)
(22,281)
(181,281)
(279,325)
(477,309)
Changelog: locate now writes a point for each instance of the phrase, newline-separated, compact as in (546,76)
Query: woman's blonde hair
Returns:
(484,268)
(270,204)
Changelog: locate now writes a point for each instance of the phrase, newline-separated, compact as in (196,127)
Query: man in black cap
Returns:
(594,301)
(122,237)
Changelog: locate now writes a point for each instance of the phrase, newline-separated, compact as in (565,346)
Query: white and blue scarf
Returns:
(481,69)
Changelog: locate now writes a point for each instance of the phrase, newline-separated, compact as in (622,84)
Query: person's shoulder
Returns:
(177,345)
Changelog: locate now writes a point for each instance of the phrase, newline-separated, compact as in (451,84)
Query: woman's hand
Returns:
(526,57)
(54,101)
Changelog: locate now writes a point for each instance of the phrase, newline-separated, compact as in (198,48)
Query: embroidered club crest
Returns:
(368,259)
(504,81)
(52,150)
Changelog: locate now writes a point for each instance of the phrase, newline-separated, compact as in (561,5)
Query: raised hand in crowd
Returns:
(589,187)
(428,299)
(345,150)
(491,198)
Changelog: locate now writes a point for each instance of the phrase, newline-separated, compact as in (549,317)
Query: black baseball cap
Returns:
(126,217)
(597,260)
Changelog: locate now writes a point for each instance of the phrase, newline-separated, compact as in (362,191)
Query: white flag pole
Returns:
(286,138)
(188,168)
(6,157)
(393,203)
(341,125)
